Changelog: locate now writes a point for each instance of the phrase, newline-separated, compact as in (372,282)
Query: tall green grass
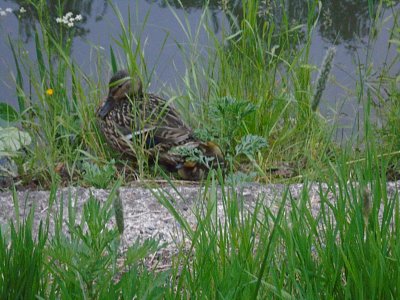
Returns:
(55,103)
(79,258)
(276,247)
(263,68)
(253,89)
(22,259)
(254,95)
(345,249)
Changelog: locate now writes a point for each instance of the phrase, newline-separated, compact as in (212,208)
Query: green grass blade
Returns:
(114,65)
(19,79)
(39,57)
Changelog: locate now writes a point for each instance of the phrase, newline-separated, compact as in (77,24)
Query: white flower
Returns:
(9,10)
(3,13)
(22,10)
(68,19)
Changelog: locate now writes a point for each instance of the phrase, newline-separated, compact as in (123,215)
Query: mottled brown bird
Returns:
(130,119)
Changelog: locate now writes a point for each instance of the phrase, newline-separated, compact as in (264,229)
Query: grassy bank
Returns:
(347,249)
(254,95)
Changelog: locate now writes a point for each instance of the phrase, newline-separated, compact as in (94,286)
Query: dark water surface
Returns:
(345,24)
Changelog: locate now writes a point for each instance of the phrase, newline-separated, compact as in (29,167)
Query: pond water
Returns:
(346,24)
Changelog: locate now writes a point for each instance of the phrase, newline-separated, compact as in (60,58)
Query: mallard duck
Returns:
(129,117)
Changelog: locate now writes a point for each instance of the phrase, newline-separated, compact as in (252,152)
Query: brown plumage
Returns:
(130,118)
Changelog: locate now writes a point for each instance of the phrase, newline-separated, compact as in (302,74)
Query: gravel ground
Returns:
(145,217)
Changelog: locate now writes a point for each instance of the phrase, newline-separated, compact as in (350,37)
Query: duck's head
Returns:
(121,87)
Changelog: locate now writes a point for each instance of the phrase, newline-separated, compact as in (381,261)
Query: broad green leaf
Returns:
(12,139)
(8,113)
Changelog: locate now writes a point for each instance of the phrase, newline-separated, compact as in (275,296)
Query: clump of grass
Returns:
(257,82)
(23,272)
(253,250)
(292,250)
(80,264)
(58,109)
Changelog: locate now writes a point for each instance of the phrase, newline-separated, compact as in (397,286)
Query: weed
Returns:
(99,177)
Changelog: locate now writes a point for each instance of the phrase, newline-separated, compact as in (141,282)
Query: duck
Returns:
(131,119)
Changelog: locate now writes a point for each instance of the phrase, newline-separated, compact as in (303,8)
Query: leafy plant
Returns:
(228,117)
(250,144)
(194,155)
(100,177)
(12,140)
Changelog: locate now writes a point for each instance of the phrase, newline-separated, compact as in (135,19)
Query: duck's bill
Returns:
(107,106)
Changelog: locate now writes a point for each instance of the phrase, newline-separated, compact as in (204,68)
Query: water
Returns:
(345,24)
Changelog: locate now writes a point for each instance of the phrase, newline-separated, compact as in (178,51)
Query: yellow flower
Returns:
(49,92)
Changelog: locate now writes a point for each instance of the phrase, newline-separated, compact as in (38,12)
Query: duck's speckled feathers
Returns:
(129,117)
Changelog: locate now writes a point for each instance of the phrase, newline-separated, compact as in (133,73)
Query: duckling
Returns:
(195,170)
(129,116)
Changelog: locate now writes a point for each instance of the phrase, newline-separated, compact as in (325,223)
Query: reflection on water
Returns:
(343,23)
(28,19)
(340,21)
(214,6)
